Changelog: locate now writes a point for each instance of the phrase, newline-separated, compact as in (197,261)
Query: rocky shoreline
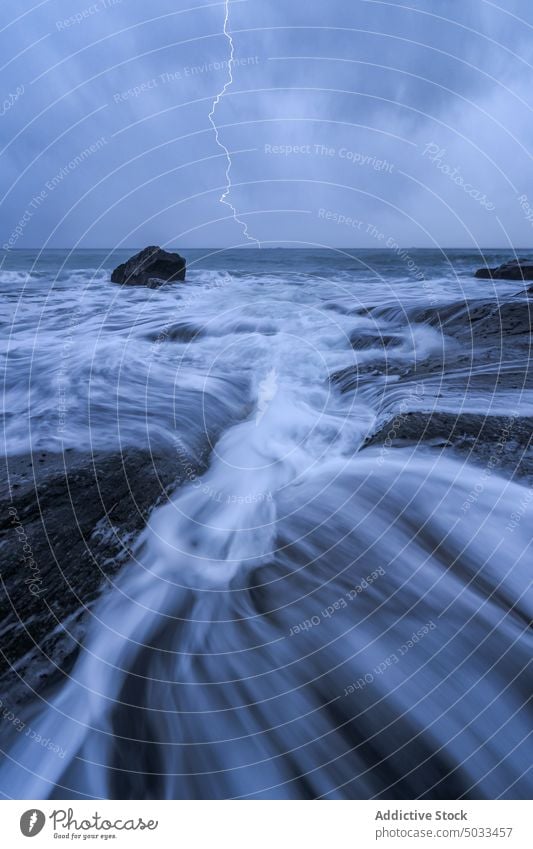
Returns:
(67,524)
(486,347)
(502,443)
(68,519)
(152,267)
(516,269)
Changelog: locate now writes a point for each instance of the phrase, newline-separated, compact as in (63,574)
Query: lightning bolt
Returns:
(33,820)
(218,98)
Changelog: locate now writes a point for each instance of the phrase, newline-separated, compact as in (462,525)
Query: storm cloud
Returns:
(347,123)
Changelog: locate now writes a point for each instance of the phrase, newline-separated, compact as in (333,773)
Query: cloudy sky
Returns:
(348,123)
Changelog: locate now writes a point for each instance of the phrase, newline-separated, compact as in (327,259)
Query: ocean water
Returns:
(306,619)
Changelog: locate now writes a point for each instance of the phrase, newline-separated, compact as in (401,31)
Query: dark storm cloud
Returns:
(413,118)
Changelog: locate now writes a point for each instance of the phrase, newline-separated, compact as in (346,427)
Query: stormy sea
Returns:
(266,533)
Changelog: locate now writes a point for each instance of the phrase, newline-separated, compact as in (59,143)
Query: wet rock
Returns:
(503,443)
(152,267)
(517,269)
(67,524)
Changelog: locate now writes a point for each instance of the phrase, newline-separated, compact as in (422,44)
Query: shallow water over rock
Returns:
(303,616)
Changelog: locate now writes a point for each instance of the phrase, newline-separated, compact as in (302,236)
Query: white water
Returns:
(197,678)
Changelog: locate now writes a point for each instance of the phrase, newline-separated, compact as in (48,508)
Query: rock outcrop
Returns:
(517,269)
(67,522)
(502,444)
(152,267)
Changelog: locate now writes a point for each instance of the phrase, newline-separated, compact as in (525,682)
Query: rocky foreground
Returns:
(68,520)
(67,524)
(484,360)
(502,443)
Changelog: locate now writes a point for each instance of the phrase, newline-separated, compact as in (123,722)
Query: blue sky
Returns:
(348,123)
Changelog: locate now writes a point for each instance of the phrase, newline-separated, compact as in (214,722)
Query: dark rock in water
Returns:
(180,331)
(485,351)
(517,269)
(152,267)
